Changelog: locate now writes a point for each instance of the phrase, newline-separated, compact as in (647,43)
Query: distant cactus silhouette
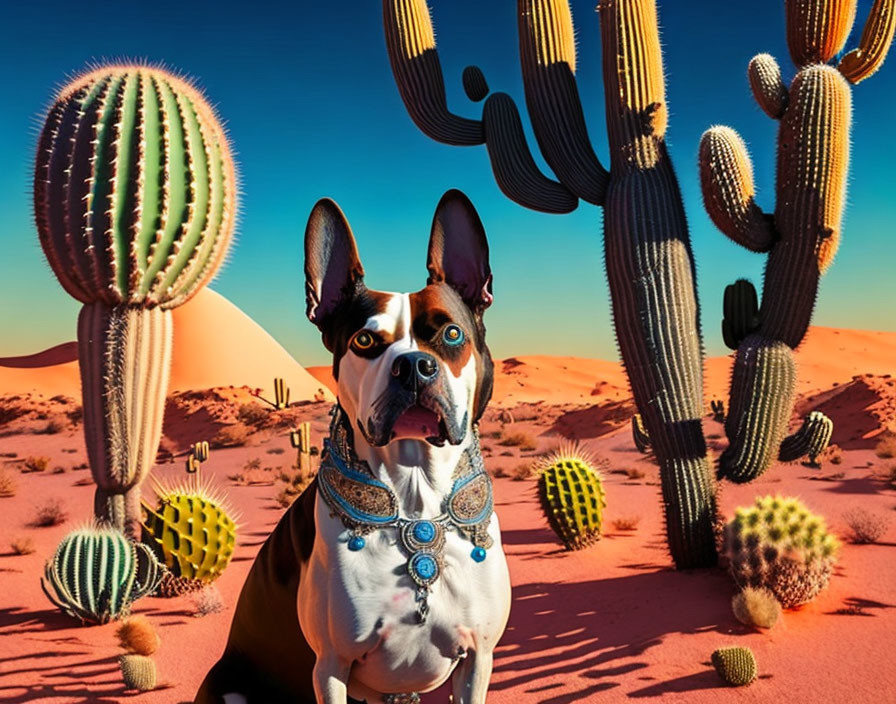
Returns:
(572,497)
(648,252)
(197,455)
(134,200)
(281,395)
(97,573)
(717,406)
(802,234)
(300,439)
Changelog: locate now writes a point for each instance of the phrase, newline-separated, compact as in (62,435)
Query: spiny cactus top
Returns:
(134,188)
(572,496)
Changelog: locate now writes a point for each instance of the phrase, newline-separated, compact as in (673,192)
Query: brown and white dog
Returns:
(317,621)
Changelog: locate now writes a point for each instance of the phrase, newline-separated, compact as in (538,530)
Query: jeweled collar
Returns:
(365,504)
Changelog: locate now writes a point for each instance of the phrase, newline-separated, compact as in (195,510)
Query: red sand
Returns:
(610,623)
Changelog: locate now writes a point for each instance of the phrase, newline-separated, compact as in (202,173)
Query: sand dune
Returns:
(215,344)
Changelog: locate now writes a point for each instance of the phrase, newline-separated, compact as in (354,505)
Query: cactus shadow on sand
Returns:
(604,628)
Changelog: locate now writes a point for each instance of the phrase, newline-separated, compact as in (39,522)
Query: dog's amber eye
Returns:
(363,340)
(453,335)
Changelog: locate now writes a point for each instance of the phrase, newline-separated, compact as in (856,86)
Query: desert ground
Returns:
(613,622)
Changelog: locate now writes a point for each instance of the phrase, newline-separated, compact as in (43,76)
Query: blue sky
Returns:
(308,98)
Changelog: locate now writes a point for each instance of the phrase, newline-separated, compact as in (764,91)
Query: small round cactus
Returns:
(736,666)
(192,531)
(780,545)
(138,672)
(572,496)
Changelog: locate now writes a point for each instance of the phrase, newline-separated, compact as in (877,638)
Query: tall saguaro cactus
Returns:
(134,199)
(802,235)
(647,246)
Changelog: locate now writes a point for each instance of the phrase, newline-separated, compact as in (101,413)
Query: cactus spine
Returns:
(97,573)
(778,544)
(648,252)
(572,497)
(134,199)
(802,235)
(736,666)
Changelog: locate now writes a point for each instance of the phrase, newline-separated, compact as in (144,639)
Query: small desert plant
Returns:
(779,544)
(235,435)
(756,607)
(499,472)
(865,526)
(523,471)
(634,473)
(254,463)
(572,496)
(626,523)
(137,635)
(736,666)
(886,446)
(83,481)
(138,672)
(524,441)
(50,513)
(285,496)
(275,451)
(23,545)
(59,469)
(53,427)
(37,463)
(207,601)
(8,484)
(252,414)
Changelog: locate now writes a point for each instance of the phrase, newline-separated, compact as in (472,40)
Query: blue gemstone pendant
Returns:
(424,531)
(424,568)
(356,542)
(478,554)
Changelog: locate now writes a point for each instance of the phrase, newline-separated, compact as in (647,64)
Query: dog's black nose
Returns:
(415,368)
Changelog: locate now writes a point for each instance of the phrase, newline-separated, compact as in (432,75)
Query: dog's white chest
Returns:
(364,605)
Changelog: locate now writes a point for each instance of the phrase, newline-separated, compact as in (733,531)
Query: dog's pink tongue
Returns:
(416,422)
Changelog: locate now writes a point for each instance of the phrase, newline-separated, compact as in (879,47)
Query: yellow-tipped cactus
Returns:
(648,252)
(779,545)
(138,672)
(802,235)
(198,454)
(135,202)
(192,531)
(572,497)
(736,666)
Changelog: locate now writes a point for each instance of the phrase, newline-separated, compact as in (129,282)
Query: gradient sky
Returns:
(308,98)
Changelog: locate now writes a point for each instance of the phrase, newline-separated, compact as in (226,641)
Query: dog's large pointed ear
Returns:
(458,251)
(333,271)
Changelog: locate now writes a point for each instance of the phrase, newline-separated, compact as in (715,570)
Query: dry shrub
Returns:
(635,473)
(524,441)
(8,484)
(493,434)
(252,414)
(50,513)
(23,545)
(523,471)
(252,477)
(865,526)
(207,601)
(136,635)
(59,469)
(275,451)
(53,427)
(886,446)
(756,607)
(295,482)
(37,463)
(83,481)
(626,523)
(235,435)
(499,472)
(833,454)
(254,463)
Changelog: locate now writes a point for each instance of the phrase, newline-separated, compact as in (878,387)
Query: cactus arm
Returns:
(548,61)
(812,438)
(726,179)
(767,86)
(741,313)
(877,36)
(475,85)
(817,29)
(418,73)
(514,168)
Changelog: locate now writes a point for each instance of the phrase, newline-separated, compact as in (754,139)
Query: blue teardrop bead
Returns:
(478,553)
(356,543)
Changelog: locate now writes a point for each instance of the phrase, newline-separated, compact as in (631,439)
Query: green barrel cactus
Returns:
(138,672)
(135,202)
(736,666)
(97,573)
(191,530)
(648,251)
(779,545)
(802,234)
(572,497)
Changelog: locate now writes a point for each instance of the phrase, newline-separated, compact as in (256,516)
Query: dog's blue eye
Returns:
(453,335)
